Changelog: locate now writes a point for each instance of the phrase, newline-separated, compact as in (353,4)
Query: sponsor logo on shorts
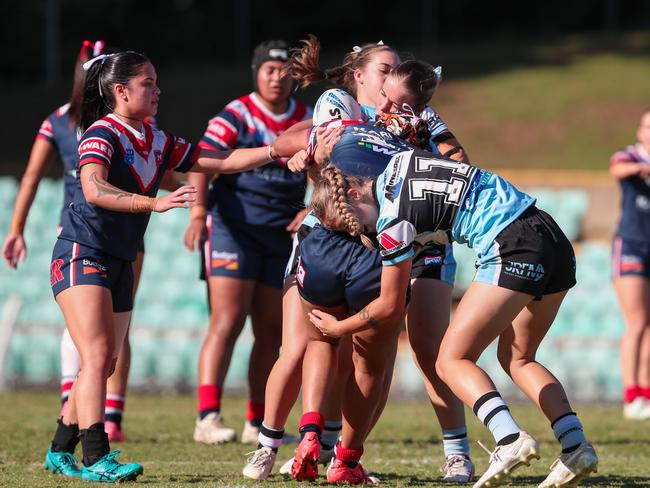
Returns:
(301,273)
(226,260)
(526,271)
(90,267)
(55,271)
(432,260)
(631,264)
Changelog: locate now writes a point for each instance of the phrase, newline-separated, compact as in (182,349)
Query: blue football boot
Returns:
(108,470)
(62,463)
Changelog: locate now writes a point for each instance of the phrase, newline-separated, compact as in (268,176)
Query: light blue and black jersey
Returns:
(428,200)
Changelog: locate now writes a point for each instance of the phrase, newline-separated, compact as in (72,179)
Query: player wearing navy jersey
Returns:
(631,269)
(250,217)
(414,83)
(525,267)
(364,73)
(59,135)
(121,164)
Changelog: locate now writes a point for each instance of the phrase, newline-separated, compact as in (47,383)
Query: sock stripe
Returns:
(561,417)
(488,406)
(267,441)
(488,396)
(491,415)
(272,433)
(567,432)
(454,437)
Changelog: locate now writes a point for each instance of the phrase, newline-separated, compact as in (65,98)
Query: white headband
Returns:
(102,57)
(358,49)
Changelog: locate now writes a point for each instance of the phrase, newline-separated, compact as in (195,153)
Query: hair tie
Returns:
(380,43)
(98,47)
(102,57)
(356,49)
(438,72)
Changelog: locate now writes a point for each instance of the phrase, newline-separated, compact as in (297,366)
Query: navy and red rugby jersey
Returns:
(136,162)
(271,194)
(635,217)
(56,130)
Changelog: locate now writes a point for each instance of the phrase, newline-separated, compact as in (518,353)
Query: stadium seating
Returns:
(171,312)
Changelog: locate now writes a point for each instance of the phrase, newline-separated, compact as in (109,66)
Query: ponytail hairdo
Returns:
(330,202)
(103,73)
(88,51)
(304,68)
(420,79)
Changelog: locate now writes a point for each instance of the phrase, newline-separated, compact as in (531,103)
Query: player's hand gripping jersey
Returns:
(269,195)
(136,162)
(423,199)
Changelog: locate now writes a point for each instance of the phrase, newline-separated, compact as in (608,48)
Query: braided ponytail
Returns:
(330,202)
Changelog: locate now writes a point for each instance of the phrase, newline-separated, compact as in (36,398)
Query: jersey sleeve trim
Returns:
(95,148)
(46,131)
(400,257)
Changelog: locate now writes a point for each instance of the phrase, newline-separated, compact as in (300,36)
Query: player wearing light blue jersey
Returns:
(364,73)
(526,266)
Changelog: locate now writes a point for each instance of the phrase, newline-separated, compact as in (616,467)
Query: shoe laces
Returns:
(494,455)
(68,459)
(454,464)
(258,457)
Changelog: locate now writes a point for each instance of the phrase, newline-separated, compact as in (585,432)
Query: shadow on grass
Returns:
(594,480)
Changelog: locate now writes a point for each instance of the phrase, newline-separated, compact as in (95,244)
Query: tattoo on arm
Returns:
(105,189)
(365,315)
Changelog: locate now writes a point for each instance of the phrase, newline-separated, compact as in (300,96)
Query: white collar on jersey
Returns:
(136,133)
(278,118)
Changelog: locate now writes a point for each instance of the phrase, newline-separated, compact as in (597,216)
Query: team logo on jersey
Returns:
(226,260)
(55,271)
(300,273)
(158,156)
(129,156)
(526,271)
(396,238)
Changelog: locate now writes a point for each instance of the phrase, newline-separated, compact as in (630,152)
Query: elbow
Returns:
(395,310)
(90,196)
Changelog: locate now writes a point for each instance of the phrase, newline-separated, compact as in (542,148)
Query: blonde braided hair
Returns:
(330,202)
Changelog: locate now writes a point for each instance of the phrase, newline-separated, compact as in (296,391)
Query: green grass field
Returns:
(405,448)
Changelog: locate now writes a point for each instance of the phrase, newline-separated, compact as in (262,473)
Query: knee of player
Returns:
(443,367)
(637,327)
(98,356)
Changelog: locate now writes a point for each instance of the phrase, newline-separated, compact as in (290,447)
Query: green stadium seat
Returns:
(41,358)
